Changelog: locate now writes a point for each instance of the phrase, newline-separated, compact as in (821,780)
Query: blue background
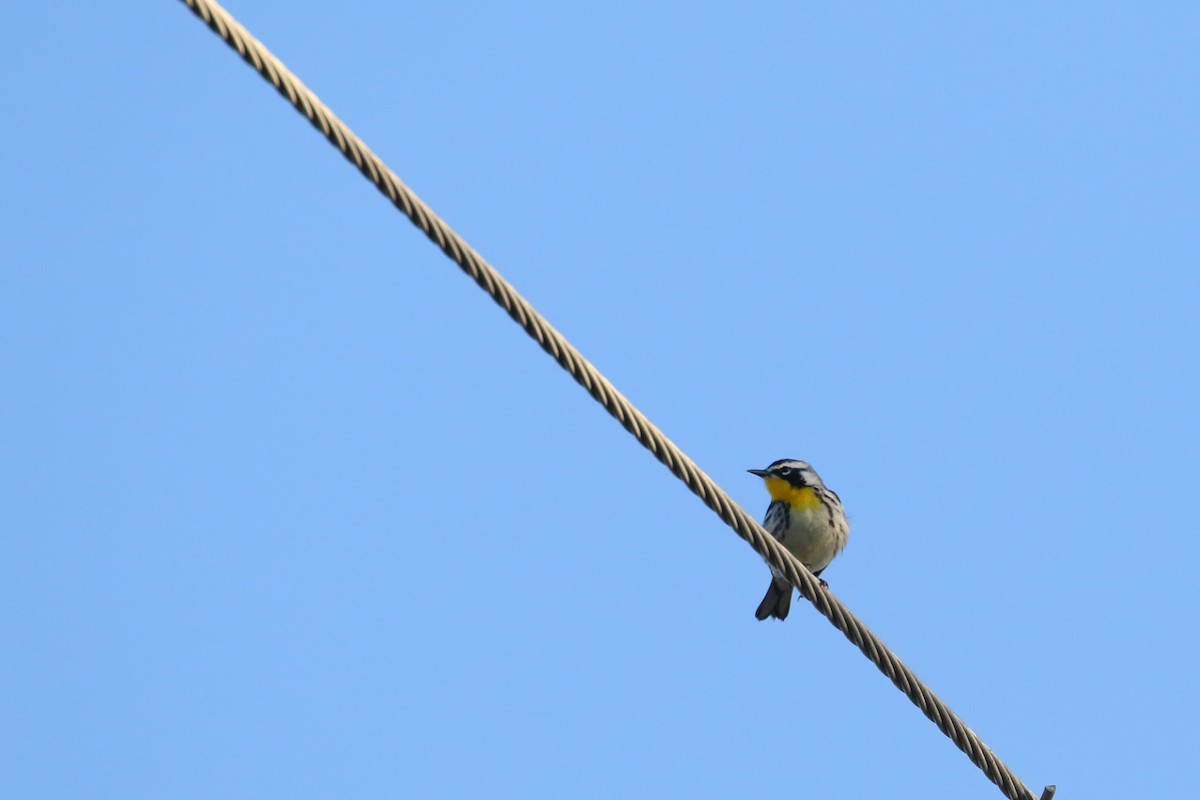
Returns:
(290,509)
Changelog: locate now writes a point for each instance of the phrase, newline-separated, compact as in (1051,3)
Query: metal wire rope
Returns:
(371,166)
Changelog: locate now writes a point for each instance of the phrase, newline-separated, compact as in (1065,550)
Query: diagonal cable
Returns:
(371,166)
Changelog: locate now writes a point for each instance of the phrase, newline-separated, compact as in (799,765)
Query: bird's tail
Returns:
(777,602)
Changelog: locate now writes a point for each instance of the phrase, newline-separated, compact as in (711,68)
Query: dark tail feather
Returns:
(777,602)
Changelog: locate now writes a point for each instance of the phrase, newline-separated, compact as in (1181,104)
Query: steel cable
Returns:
(607,395)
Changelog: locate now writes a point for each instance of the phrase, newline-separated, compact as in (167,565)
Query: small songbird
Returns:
(807,519)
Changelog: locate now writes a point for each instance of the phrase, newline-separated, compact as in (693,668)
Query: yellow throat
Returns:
(801,498)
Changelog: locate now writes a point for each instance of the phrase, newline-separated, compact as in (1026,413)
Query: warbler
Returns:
(805,517)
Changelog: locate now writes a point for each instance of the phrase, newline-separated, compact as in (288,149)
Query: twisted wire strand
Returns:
(570,359)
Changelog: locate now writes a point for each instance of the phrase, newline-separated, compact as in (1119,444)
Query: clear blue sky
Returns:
(292,510)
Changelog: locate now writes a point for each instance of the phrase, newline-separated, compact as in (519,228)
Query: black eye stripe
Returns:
(798,473)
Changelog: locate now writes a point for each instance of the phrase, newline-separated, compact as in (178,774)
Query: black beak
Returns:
(762,473)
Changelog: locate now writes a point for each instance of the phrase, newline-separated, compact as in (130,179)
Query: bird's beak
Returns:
(762,473)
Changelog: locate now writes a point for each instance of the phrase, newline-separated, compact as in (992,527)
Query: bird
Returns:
(805,517)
